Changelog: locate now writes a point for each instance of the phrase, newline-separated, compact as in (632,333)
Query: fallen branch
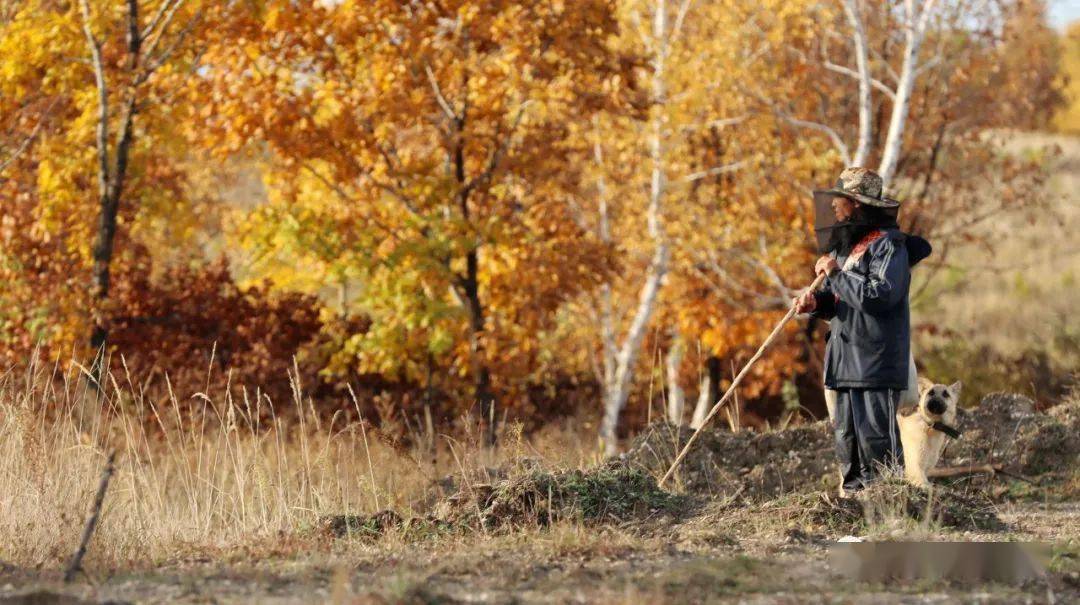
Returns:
(966,469)
(974,469)
(76,561)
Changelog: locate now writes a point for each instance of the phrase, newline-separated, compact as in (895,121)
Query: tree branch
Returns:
(837,141)
(25,144)
(697,176)
(720,123)
(439,98)
(168,52)
(496,155)
(847,71)
(102,138)
(164,7)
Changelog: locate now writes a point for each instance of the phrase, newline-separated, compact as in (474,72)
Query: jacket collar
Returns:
(861,247)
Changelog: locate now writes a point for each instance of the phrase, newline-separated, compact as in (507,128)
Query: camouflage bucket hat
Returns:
(862,185)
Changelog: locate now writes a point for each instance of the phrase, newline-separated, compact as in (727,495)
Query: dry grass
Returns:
(198,475)
(231,496)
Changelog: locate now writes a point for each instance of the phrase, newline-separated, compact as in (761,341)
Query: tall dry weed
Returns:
(201,472)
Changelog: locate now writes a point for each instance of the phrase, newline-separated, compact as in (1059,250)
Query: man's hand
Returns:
(804,303)
(827,265)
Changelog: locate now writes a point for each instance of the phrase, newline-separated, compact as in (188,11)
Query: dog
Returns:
(924,428)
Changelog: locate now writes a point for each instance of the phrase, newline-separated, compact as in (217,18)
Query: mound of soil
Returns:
(759,466)
(886,501)
(784,474)
(885,506)
(612,492)
(1005,428)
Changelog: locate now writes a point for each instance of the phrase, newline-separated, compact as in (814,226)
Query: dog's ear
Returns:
(925,384)
(954,390)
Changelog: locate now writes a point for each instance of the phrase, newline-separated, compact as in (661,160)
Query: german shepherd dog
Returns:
(925,427)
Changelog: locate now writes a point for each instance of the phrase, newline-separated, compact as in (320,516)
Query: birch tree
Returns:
(676,397)
(852,11)
(622,357)
(692,48)
(916,19)
(95,162)
(149,42)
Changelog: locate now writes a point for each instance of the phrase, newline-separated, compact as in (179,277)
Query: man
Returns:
(868,352)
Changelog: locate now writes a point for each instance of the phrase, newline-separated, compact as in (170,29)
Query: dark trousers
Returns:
(867,436)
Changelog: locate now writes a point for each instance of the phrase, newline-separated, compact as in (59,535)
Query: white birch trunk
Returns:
(915,23)
(862,64)
(676,401)
(607,315)
(703,405)
(617,388)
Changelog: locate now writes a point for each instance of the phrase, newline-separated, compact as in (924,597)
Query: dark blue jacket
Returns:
(870,328)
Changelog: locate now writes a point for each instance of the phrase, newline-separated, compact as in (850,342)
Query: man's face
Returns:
(843,208)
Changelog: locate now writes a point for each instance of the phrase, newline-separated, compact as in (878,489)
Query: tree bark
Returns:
(716,376)
(701,408)
(481,374)
(105,239)
(606,314)
(862,62)
(915,23)
(111,171)
(469,285)
(676,402)
(617,390)
(709,393)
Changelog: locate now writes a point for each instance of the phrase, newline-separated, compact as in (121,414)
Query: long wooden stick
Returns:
(735,383)
(88,531)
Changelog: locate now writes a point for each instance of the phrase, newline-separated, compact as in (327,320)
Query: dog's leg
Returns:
(913,440)
(933,451)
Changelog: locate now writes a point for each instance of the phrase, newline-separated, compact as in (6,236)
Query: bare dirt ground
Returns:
(713,566)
